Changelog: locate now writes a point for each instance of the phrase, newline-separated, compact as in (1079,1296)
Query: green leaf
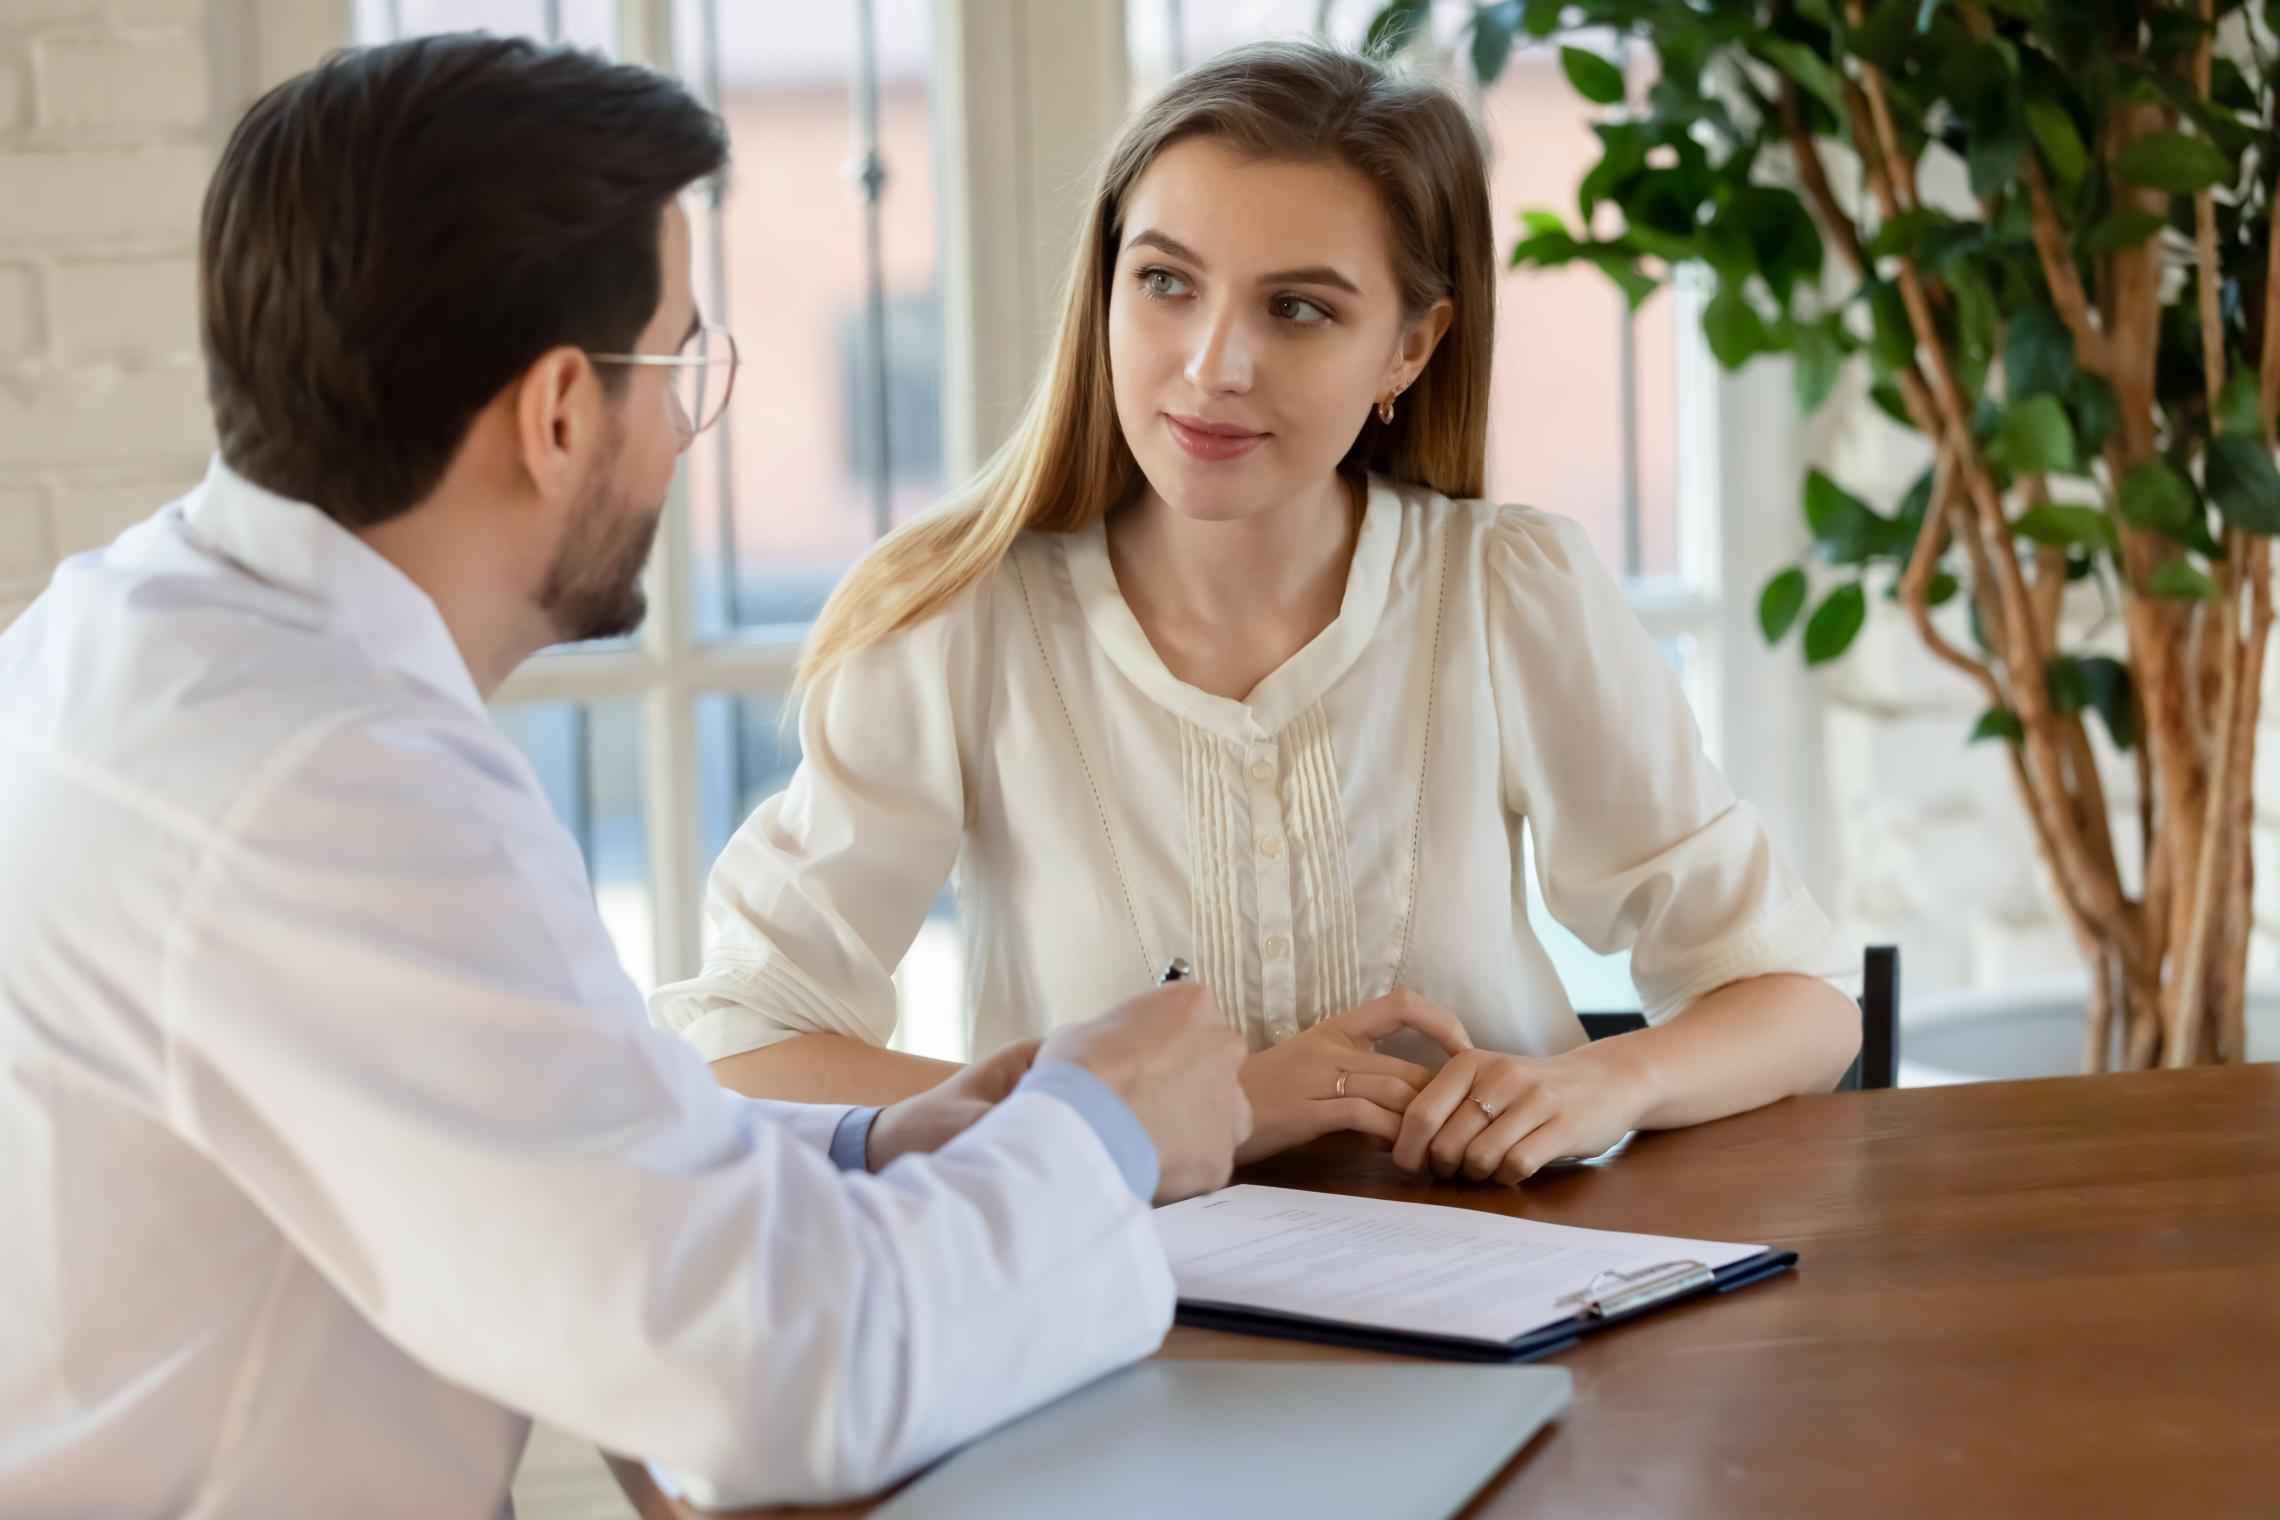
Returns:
(1493,29)
(2067,683)
(2113,694)
(1835,623)
(1735,330)
(1781,235)
(1942,589)
(2174,162)
(1623,270)
(2038,354)
(1846,530)
(1808,68)
(1394,26)
(2181,580)
(1594,78)
(2061,526)
(2229,87)
(2240,409)
(2061,144)
(2036,438)
(1901,234)
(1541,18)
(1891,403)
(1780,602)
(1546,250)
(2243,483)
(2155,496)
(1895,345)
(1998,147)
(2096,413)
(2124,229)
(1998,723)
(1540,220)
(1817,359)
(1623,153)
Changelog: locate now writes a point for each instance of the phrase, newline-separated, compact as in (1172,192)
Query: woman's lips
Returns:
(1215,441)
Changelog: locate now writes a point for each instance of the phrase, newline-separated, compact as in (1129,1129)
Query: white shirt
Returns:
(1353,825)
(334,1143)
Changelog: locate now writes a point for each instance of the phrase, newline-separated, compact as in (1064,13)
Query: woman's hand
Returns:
(1295,1087)
(1493,1115)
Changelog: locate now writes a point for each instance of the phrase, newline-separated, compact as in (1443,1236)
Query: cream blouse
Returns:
(1353,826)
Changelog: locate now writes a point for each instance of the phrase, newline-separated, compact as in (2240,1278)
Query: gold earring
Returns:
(1385,407)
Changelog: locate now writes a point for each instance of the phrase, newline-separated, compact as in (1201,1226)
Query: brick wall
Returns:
(108,125)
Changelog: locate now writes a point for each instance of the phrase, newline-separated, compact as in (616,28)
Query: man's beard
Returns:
(593,587)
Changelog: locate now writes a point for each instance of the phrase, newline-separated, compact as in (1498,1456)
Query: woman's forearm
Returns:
(829,1068)
(1742,1047)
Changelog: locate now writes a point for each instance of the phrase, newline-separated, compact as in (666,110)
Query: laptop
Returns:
(1196,1439)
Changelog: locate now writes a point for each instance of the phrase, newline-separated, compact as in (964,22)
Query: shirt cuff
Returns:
(851,1140)
(1110,1118)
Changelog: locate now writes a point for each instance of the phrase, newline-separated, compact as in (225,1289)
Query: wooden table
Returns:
(2027,1298)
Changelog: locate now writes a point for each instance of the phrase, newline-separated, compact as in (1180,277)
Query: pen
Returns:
(1175,970)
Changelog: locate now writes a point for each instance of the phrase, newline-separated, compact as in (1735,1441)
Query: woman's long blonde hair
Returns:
(1067,465)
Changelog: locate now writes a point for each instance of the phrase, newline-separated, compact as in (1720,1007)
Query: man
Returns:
(333,1143)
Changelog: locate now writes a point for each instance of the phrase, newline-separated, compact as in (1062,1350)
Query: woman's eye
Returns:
(1162,283)
(1301,311)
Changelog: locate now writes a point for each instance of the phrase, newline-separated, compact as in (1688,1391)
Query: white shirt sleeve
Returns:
(1640,844)
(394,1020)
(821,891)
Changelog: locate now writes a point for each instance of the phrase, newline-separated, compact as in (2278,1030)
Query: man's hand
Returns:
(929,1120)
(1171,1057)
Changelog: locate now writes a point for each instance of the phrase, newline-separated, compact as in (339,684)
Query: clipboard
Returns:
(1611,1298)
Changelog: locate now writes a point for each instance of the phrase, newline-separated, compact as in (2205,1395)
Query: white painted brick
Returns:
(41,15)
(24,551)
(82,196)
(30,17)
(155,12)
(121,85)
(20,324)
(111,308)
(12,604)
(91,515)
(15,96)
(107,419)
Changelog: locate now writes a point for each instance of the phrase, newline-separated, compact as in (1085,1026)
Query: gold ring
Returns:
(1341,1089)
(1486,1107)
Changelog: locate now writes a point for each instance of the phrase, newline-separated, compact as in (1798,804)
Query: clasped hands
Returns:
(1483,1115)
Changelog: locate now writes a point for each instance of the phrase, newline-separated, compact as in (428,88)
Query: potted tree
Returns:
(2046,227)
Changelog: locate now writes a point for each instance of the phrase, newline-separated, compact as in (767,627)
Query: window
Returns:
(818,248)
(821,249)
(1596,412)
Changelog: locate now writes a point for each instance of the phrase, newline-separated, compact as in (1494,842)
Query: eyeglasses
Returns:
(698,399)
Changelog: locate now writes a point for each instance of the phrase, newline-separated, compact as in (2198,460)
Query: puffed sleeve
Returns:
(1640,844)
(823,888)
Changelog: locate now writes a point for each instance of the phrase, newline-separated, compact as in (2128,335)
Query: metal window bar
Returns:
(870,175)
(716,247)
(581,793)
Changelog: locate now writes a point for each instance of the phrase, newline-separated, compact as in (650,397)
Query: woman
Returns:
(1221,657)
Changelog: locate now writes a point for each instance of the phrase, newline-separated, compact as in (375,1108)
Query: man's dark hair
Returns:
(395,235)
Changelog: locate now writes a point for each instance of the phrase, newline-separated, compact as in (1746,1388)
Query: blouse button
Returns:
(1278,946)
(1270,845)
(1262,770)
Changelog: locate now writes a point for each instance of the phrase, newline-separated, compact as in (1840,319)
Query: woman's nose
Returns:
(1221,360)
